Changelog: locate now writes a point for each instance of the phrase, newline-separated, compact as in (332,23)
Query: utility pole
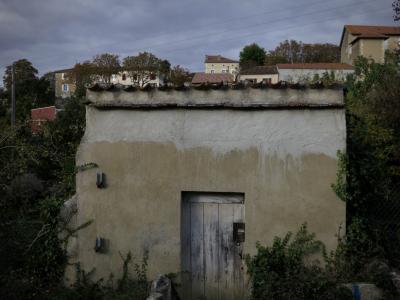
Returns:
(13,106)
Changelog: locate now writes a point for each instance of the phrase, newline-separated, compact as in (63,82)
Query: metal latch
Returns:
(238,232)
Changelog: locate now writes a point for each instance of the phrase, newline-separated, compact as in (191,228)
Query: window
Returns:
(212,71)
(223,71)
(123,76)
(65,87)
(350,50)
(62,76)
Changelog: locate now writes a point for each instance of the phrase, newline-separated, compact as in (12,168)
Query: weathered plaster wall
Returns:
(373,49)
(284,161)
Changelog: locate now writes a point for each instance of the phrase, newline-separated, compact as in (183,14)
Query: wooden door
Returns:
(211,259)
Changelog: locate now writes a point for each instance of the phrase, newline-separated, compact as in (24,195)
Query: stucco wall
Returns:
(304,75)
(259,78)
(373,49)
(283,160)
(218,67)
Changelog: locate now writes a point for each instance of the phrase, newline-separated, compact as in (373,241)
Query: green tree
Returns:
(252,55)
(106,65)
(396,9)
(179,76)
(30,90)
(371,165)
(142,68)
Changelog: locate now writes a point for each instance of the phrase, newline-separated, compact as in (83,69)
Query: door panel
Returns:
(211,260)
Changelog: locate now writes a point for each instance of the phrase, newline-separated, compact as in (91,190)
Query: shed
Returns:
(197,177)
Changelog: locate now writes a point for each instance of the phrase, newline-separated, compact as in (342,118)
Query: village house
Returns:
(369,41)
(219,64)
(305,72)
(267,74)
(195,178)
(64,84)
(218,69)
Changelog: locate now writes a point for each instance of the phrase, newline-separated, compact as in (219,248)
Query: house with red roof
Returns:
(41,115)
(369,41)
(218,69)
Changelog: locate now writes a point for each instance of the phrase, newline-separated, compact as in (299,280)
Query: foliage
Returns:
(105,65)
(292,51)
(368,176)
(128,287)
(285,270)
(252,55)
(36,174)
(396,9)
(142,68)
(83,75)
(179,76)
(30,91)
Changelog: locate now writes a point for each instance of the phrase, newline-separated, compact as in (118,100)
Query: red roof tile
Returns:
(318,66)
(200,78)
(218,59)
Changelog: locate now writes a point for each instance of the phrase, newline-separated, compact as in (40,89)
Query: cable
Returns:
(263,32)
(240,28)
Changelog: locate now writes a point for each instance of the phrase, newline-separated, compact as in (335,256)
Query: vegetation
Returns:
(144,67)
(291,51)
(286,270)
(252,55)
(105,65)
(396,9)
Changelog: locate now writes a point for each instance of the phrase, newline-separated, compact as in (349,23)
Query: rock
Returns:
(160,286)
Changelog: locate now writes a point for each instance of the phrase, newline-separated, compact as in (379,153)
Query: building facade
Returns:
(368,41)
(306,72)
(267,74)
(215,64)
(195,178)
(64,83)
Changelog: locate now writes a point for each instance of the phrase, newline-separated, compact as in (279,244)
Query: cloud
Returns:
(56,34)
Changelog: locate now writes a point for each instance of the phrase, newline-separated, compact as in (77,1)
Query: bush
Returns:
(286,270)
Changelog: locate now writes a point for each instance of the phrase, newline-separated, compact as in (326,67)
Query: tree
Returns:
(292,51)
(105,65)
(179,76)
(24,71)
(83,74)
(165,68)
(142,68)
(396,9)
(30,91)
(252,55)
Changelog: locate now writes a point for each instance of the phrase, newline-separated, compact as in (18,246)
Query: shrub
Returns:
(286,270)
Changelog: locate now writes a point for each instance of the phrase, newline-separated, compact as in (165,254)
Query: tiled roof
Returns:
(367,31)
(316,66)
(260,70)
(218,59)
(63,70)
(200,78)
(373,30)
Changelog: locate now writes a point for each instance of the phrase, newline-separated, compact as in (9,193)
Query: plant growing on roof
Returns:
(142,68)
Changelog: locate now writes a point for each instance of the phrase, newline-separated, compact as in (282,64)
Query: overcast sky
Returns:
(55,34)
